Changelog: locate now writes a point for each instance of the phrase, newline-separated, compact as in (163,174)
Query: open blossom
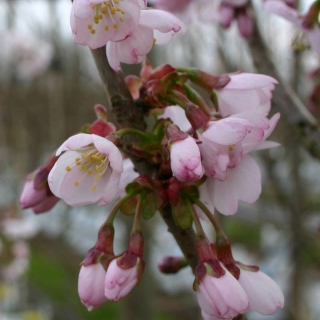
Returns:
(95,22)
(91,285)
(154,26)
(186,160)
(234,175)
(221,298)
(246,92)
(88,171)
(264,294)
(285,11)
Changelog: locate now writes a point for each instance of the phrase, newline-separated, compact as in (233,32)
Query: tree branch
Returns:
(302,124)
(129,115)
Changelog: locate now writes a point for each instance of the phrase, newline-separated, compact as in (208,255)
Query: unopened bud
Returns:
(171,265)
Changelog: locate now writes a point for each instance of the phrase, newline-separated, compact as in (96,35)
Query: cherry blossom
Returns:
(88,171)
(246,92)
(91,285)
(95,22)
(264,294)
(221,298)
(234,175)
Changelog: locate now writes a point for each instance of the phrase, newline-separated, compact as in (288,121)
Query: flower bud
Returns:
(124,272)
(171,265)
(91,285)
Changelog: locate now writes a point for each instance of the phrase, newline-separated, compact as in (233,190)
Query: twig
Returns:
(129,115)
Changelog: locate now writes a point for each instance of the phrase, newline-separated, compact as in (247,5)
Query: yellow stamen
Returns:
(106,28)
(115,25)
(76,184)
(89,172)
(93,188)
(89,26)
(93,31)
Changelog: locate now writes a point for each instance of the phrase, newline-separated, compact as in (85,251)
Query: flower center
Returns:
(109,13)
(90,162)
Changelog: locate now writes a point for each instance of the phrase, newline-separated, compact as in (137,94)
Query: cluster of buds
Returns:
(226,288)
(104,276)
(199,151)
(127,27)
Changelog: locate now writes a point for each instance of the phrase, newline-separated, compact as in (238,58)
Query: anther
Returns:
(76,184)
(115,25)
(68,169)
(93,188)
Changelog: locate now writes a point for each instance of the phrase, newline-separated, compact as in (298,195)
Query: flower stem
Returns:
(125,131)
(136,228)
(197,223)
(219,231)
(116,208)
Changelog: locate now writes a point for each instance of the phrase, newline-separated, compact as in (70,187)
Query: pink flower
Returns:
(285,11)
(264,294)
(246,92)
(91,285)
(186,160)
(206,199)
(155,26)
(232,174)
(221,298)
(119,282)
(95,22)
(88,171)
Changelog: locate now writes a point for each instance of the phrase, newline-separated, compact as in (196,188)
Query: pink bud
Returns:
(30,197)
(226,16)
(264,294)
(91,286)
(186,160)
(119,282)
(245,24)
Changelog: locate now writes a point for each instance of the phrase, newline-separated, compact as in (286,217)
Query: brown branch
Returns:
(301,123)
(129,115)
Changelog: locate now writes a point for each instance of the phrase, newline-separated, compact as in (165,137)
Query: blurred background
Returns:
(48,87)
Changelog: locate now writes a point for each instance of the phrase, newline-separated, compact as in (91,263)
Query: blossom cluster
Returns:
(200,155)
(128,28)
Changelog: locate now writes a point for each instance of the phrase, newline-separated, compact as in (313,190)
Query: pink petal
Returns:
(281,9)
(227,131)
(264,294)
(232,292)
(161,20)
(243,183)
